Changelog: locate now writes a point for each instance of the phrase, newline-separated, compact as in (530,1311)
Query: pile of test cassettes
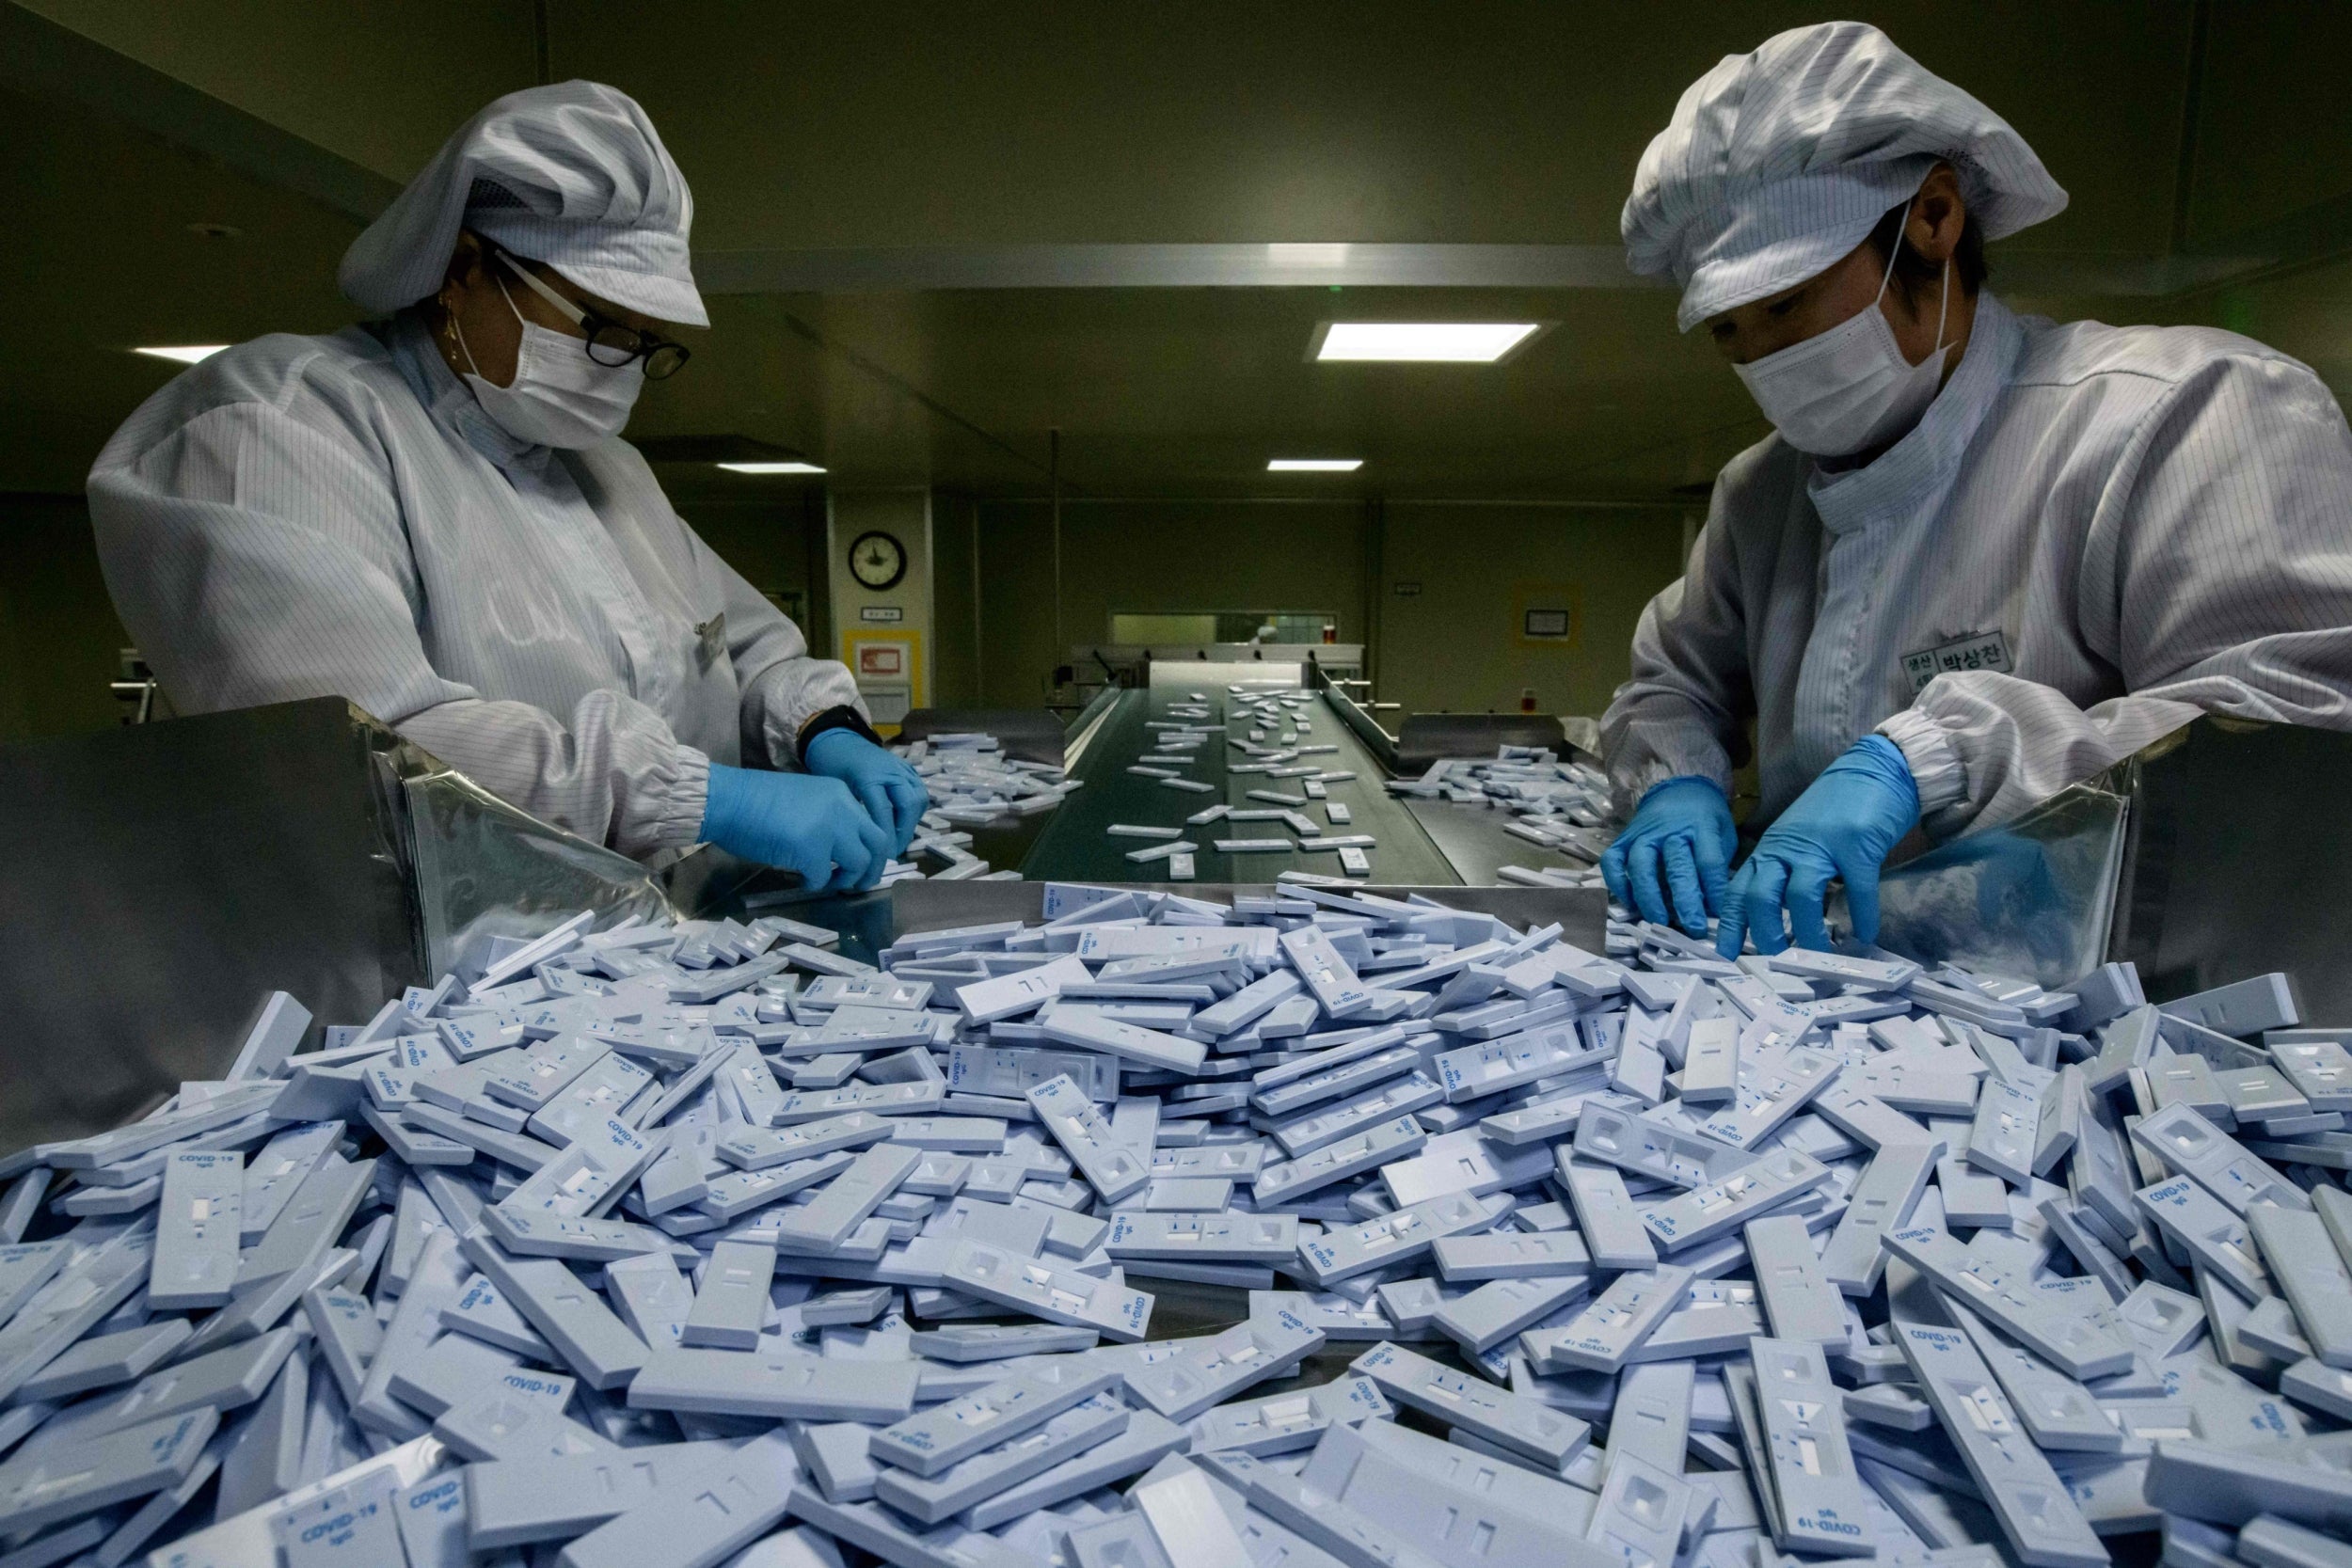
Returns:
(1560,806)
(676,1248)
(971,785)
(1272,732)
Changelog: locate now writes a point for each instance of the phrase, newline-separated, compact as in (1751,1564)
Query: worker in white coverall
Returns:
(434,516)
(1984,555)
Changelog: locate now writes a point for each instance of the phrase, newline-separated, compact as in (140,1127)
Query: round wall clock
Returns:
(878,560)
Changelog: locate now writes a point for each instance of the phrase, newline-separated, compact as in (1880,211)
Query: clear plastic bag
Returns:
(484,870)
(2033,898)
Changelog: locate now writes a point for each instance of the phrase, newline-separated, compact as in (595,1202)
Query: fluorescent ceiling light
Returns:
(187,354)
(1313,464)
(771,468)
(1282,255)
(1427,343)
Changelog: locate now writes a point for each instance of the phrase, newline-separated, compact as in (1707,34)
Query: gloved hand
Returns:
(1678,848)
(891,791)
(799,821)
(1842,826)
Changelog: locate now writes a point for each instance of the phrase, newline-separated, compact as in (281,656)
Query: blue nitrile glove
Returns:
(891,791)
(1842,826)
(799,821)
(1675,851)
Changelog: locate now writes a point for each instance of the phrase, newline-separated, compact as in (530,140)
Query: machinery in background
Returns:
(1096,666)
(135,687)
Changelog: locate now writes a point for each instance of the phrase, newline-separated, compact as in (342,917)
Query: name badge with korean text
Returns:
(1983,650)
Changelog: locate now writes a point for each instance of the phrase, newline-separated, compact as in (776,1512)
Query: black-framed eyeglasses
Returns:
(610,343)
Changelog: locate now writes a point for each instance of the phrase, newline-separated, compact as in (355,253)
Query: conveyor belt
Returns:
(1074,846)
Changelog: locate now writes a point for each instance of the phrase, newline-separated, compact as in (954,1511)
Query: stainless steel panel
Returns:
(1427,736)
(2239,862)
(156,882)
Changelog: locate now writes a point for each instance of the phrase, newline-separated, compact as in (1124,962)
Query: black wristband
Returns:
(834,718)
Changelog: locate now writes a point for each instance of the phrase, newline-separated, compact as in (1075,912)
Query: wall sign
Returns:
(888,614)
(1408,590)
(1549,614)
(888,666)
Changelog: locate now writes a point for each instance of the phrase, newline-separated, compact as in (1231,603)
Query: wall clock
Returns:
(878,560)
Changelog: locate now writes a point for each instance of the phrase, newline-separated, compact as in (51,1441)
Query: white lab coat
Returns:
(299,516)
(2093,534)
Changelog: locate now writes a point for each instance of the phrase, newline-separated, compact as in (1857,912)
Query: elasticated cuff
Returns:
(680,822)
(1936,767)
(844,717)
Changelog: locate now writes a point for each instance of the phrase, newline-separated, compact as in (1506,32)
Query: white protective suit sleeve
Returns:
(784,688)
(782,685)
(273,565)
(1685,710)
(2215,577)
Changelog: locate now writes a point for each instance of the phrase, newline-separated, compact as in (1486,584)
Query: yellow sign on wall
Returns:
(888,668)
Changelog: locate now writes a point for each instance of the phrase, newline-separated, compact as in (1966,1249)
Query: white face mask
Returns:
(560,397)
(1850,389)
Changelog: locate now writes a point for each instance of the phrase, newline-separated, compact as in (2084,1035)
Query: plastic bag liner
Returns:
(2032,898)
(480,870)
(484,870)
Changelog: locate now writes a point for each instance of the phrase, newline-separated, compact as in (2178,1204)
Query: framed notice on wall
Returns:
(1548,614)
(888,669)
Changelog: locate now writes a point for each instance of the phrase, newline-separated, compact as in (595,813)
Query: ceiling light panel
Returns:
(187,354)
(1313,464)
(1422,342)
(771,468)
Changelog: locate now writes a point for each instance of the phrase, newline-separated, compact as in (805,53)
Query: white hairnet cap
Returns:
(573,175)
(1778,163)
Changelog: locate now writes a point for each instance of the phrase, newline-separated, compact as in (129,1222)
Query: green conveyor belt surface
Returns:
(1076,847)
